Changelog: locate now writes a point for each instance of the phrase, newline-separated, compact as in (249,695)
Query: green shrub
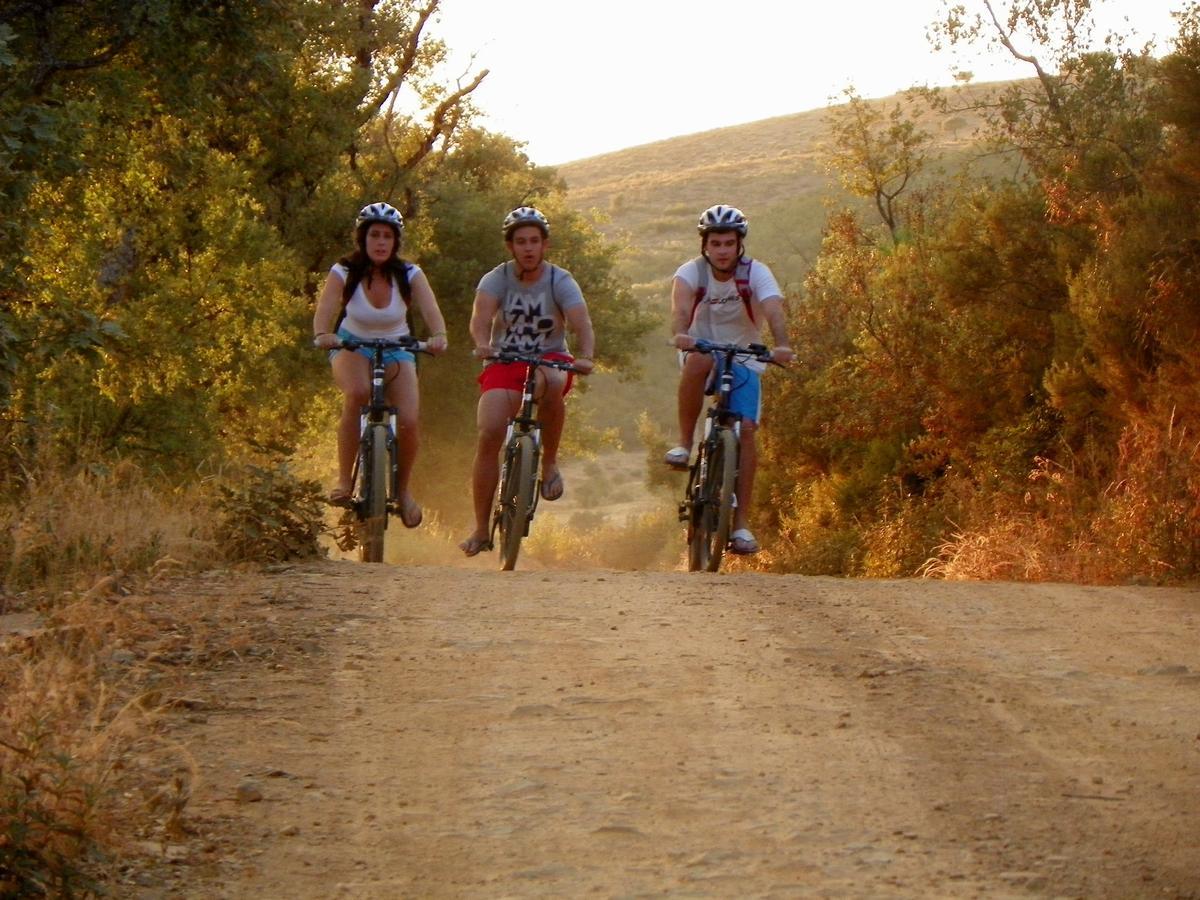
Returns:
(268,515)
(47,812)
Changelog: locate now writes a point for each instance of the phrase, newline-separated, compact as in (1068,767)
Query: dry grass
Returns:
(91,653)
(649,196)
(69,530)
(85,774)
(1143,526)
(652,541)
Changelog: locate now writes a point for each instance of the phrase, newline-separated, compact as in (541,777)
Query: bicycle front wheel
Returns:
(712,518)
(697,535)
(376,471)
(516,498)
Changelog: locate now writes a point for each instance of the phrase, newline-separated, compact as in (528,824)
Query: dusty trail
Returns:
(466,733)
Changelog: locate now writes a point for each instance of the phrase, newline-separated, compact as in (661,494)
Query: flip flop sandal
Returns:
(473,546)
(552,488)
(339,497)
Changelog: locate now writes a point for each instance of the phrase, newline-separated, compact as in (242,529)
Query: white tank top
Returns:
(365,320)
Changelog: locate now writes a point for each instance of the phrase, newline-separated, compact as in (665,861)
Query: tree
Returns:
(164,214)
(876,156)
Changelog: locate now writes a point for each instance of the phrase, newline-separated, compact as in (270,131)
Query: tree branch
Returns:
(408,59)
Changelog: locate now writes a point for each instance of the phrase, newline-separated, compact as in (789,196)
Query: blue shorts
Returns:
(389,356)
(745,398)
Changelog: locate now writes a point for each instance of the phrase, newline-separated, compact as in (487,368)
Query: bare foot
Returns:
(475,544)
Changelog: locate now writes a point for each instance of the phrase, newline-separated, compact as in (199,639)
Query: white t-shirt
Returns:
(722,316)
(365,320)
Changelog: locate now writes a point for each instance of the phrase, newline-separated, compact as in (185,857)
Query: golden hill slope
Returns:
(773,169)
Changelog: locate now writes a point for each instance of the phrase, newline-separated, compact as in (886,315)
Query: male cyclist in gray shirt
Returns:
(525,305)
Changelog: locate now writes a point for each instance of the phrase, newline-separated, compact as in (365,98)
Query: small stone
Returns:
(249,792)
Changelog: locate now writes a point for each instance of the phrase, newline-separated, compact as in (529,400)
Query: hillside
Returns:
(648,198)
(772,169)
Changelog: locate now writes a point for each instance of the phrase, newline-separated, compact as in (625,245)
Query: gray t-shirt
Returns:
(530,318)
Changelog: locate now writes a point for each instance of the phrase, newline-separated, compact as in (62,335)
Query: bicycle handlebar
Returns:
(532,359)
(408,342)
(751,351)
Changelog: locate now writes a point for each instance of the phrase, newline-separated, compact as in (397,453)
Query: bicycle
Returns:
(711,497)
(520,482)
(376,468)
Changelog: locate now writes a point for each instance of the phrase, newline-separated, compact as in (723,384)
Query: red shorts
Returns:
(511,376)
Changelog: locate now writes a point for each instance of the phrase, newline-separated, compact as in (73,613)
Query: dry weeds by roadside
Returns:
(95,649)
(94,790)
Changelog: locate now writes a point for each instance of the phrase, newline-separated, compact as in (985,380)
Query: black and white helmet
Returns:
(380,212)
(723,218)
(525,215)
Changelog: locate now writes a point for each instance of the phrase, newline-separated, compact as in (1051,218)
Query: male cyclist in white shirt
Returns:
(725,297)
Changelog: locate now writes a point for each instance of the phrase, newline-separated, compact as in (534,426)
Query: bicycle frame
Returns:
(526,421)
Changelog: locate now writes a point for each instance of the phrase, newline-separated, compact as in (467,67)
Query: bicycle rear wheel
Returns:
(516,498)
(376,472)
(712,513)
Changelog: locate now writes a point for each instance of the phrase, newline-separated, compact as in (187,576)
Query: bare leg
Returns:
(748,464)
(552,413)
(491,420)
(352,374)
(403,393)
(692,379)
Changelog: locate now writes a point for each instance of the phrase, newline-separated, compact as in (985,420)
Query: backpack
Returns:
(741,279)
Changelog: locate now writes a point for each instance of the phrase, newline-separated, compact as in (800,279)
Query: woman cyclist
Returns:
(367,295)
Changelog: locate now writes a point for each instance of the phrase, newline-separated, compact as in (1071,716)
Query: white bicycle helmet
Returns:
(525,215)
(723,218)
(380,212)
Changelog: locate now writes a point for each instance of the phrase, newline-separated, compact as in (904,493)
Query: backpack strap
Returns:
(741,280)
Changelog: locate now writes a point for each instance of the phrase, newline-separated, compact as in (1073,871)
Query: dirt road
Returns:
(461,732)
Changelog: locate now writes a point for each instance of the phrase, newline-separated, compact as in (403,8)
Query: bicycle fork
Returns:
(698,477)
(533,429)
(365,423)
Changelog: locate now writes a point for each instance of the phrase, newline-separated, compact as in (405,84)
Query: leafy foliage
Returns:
(46,812)
(1000,381)
(169,231)
(268,515)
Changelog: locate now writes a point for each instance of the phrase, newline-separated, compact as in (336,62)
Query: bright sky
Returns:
(573,78)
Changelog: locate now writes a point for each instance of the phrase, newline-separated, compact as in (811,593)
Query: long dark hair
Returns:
(358,264)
